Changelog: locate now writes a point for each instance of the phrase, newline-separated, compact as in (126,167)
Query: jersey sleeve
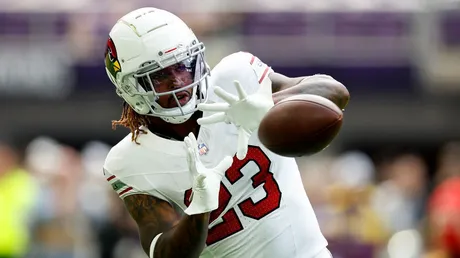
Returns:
(121,188)
(126,178)
(261,69)
(245,67)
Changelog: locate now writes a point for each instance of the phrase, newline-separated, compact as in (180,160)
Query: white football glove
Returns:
(245,111)
(206,182)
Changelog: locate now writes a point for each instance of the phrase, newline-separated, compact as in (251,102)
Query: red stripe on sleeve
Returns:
(125,191)
(264,74)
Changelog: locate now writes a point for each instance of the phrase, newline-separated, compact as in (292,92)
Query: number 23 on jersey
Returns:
(231,223)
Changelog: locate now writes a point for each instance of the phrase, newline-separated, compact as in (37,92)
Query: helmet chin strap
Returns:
(182,118)
(177,119)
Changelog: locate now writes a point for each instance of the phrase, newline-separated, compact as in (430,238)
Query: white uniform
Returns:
(263,209)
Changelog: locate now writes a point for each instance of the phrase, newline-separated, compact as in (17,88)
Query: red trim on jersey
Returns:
(253,58)
(125,191)
(264,74)
(110,178)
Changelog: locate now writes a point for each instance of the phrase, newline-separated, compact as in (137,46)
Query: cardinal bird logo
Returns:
(111,58)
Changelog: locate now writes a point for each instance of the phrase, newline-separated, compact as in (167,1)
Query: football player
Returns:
(221,193)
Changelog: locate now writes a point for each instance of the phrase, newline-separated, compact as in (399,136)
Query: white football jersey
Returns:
(263,209)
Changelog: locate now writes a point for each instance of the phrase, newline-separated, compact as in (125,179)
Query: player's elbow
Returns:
(343,95)
(338,93)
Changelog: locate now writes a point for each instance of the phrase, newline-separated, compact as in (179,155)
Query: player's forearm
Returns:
(321,85)
(185,240)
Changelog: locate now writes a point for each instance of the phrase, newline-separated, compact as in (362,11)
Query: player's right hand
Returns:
(206,181)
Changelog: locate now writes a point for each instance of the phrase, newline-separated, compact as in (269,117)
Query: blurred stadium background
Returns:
(387,187)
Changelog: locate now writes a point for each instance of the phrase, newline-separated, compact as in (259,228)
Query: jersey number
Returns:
(231,224)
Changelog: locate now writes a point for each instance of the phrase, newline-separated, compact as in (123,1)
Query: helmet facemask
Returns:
(153,81)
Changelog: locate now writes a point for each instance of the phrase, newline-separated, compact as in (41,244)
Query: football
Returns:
(300,125)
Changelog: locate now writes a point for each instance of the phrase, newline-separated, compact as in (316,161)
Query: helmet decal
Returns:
(111,58)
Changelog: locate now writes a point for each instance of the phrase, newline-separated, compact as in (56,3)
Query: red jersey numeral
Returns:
(231,224)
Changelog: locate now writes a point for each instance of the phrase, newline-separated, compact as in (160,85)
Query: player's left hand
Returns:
(244,111)
(206,181)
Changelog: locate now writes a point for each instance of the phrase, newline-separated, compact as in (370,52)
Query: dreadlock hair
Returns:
(131,120)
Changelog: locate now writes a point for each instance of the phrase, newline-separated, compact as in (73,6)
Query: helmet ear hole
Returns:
(139,105)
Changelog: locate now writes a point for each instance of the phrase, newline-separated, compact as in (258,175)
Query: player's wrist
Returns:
(152,246)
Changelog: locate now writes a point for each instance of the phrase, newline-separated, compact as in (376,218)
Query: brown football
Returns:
(300,125)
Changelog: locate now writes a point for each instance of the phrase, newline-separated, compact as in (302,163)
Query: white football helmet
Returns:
(144,42)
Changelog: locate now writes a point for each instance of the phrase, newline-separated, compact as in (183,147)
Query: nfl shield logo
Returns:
(202,149)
